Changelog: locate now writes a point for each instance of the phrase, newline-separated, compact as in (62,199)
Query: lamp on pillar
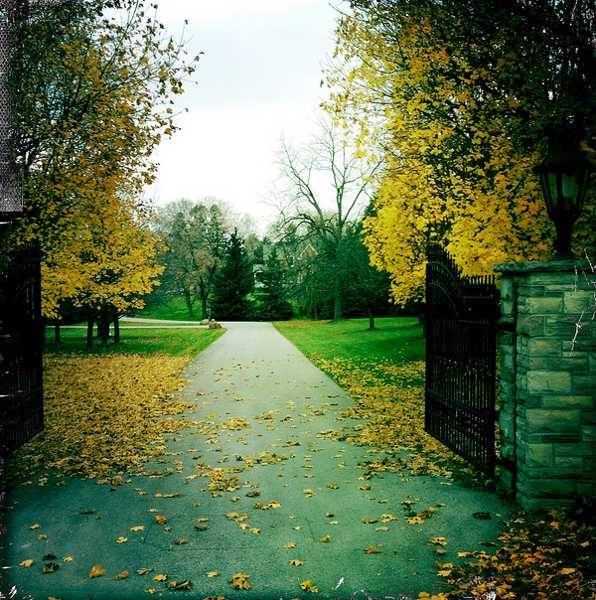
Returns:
(564,178)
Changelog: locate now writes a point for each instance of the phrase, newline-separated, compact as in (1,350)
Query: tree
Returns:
(271,290)
(105,271)
(195,235)
(91,110)
(233,282)
(462,95)
(305,217)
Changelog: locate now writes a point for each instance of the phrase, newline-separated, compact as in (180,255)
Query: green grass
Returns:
(395,339)
(175,342)
(173,309)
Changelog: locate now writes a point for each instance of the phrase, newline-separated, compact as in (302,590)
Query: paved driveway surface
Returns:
(261,415)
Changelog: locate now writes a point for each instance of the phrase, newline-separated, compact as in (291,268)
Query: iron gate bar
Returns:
(460,389)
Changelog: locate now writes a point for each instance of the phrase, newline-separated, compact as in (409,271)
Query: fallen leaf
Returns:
(161,519)
(567,571)
(96,571)
(122,575)
(438,540)
(35,526)
(481,515)
(369,520)
(160,577)
(181,541)
(289,545)
(212,573)
(240,581)
(326,538)
(332,486)
(50,567)
(296,563)
(308,586)
(42,536)
(180,585)
(26,563)
(144,570)
(68,558)
(121,539)
(372,550)
(137,528)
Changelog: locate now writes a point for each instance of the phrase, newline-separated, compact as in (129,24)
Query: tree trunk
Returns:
(57,331)
(371,319)
(105,329)
(204,313)
(90,332)
(188,300)
(116,330)
(337,305)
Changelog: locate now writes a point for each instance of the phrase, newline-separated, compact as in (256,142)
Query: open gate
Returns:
(21,346)
(461,319)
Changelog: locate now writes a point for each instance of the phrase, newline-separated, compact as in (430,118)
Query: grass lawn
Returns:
(174,342)
(173,309)
(395,339)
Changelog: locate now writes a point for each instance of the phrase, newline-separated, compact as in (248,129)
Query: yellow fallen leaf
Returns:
(255,530)
(326,538)
(96,571)
(121,539)
(122,575)
(42,536)
(289,545)
(308,586)
(35,526)
(181,541)
(240,581)
(161,519)
(567,571)
(144,570)
(137,528)
(296,563)
(160,577)
(212,573)
(26,563)
(68,558)
(151,591)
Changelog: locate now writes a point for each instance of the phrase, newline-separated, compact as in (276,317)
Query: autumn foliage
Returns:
(458,97)
(95,104)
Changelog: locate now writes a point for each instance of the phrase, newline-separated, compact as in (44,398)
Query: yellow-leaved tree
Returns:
(461,108)
(97,100)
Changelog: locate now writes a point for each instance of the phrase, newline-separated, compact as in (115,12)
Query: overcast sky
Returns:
(259,79)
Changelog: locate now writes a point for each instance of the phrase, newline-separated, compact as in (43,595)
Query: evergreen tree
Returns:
(272,292)
(233,282)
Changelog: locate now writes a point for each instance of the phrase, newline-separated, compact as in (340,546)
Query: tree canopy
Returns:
(462,97)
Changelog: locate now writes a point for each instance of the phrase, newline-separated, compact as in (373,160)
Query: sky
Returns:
(258,80)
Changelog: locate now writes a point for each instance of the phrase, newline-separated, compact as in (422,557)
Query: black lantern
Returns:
(564,178)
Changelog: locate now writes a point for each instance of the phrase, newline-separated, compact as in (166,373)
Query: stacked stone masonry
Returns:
(548,381)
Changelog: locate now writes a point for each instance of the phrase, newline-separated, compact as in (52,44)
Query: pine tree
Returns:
(233,282)
(272,294)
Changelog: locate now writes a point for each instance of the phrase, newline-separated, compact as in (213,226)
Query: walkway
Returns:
(262,414)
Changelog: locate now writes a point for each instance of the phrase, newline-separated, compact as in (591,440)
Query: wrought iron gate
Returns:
(461,316)
(21,344)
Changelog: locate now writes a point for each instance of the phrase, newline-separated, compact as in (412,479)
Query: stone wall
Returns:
(548,382)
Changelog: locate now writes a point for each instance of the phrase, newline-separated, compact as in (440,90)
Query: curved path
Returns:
(260,409)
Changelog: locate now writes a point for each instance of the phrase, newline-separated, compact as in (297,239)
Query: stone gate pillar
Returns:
(547,348)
